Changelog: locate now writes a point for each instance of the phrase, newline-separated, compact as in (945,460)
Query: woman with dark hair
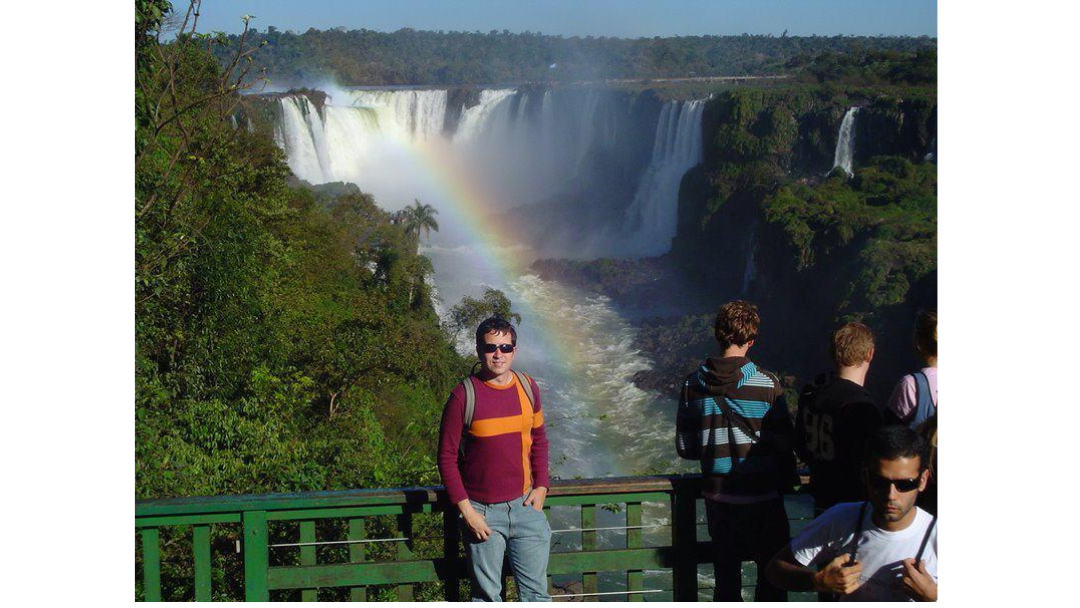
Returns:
(915,398)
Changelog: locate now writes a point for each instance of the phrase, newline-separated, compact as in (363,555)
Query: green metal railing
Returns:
(275,537)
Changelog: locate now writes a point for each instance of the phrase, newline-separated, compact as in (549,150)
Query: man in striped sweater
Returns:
(494,465)
(734,419)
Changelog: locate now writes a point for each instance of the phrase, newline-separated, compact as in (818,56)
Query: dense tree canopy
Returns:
(407,56)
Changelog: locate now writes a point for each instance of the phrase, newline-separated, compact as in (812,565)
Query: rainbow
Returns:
(502,253)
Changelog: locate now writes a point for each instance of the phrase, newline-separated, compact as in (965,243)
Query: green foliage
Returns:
(470,312)
(881,226)
(444,58)
(285,337)
(754,125)
(419,218)
(869,67)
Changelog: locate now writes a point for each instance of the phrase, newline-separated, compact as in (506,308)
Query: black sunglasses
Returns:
(505,348)
(902,485)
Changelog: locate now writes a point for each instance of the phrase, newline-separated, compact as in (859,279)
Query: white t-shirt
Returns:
(881,553)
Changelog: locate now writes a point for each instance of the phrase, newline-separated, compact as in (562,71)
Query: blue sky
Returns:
(621,18)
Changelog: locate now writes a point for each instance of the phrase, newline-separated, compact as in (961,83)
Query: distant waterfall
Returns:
(931,155)
(845,143)
(345,143)
(750,270)
(653,214)
(296,136)
(523,146)
(517,146)
(419,114)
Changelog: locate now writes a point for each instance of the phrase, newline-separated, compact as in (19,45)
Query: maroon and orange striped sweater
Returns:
(506,451)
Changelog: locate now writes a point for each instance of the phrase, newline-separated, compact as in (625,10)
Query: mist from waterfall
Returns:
(845,142)
(526,146)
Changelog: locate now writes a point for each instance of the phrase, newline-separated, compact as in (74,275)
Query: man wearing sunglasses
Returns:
(884,549)
(493,460)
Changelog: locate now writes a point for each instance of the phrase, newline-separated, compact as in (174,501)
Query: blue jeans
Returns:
(526,533)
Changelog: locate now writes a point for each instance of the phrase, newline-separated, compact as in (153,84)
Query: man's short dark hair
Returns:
(896,441)
(495,324)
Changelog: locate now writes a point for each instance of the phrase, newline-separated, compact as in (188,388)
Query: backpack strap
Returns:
(925,540)
(734,418)
(470,410)
(858,533)
(924,408)
(526,383)
(470,401)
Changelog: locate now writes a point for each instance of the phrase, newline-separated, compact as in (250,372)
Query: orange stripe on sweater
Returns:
(490,427)
(526,422)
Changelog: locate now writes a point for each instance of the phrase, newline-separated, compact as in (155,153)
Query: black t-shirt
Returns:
(834,418)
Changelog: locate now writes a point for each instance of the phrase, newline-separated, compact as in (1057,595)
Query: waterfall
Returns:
(419,114)
(653,214)
(845,143)
(476,120)
(931,154)
(518,147)
(350,136)
(349,141)
(298,139)
(750,270)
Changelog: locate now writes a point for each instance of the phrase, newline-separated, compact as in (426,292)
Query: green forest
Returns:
(285,338)
(366,57)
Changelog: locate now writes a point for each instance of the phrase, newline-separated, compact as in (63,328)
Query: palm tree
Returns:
(420,217)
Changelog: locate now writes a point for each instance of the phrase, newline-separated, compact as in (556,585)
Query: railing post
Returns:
(684,541)
(357,531)
(256,557)
(451,538)
(405,552)
(588,543)
(308,557)
(201,547)
(151,565)
(634,578)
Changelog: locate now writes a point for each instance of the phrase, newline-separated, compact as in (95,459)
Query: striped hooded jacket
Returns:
(733,418)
